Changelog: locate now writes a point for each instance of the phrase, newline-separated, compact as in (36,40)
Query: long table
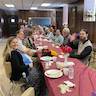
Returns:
(84,76)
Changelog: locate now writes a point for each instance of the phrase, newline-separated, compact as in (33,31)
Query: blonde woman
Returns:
(12,54)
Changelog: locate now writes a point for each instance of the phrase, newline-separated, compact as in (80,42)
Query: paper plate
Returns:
(64,64)
(34,50)
(46,58)
(68,64)
(40,47)
(53,73)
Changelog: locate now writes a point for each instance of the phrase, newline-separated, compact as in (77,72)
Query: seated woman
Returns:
(14,55)
(84,47)
(58,38)
(66,35)
(29,41)
(49,35)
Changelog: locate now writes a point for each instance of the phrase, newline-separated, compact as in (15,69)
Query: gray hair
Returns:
(67,30)
(57,30)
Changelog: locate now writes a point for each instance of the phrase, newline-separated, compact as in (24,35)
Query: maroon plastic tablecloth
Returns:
(84,77)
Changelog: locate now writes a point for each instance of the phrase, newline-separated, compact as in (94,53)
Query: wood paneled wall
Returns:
(59,18)
(26,13)
(76,22)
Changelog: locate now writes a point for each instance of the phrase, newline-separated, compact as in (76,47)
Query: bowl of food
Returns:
(59,65)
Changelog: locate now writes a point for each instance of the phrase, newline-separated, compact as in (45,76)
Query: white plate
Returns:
(57,47)
(39,47)
(42,47)
(45,40)
(50,41)
(53,73)
(63,64)
(59,65)
(34,50)
(45,47)
(46,58)
(68,64)
(61,56)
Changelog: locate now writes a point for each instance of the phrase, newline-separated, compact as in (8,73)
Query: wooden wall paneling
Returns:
(72,18)
(59,18)
(79,23)
(94,32)
(24,14)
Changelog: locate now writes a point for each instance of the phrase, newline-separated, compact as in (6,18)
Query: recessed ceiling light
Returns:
(45,4)
(33,8)
(9,5)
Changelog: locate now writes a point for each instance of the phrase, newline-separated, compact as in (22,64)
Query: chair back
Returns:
(1,92)
(5,86)
(29,92)
(8,70)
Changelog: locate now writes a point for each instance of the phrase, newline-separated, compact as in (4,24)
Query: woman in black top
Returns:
(12,54)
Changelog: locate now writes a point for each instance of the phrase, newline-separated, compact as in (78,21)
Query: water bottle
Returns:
(71,72)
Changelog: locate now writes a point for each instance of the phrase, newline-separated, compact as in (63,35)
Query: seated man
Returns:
(84,47)
(23,48)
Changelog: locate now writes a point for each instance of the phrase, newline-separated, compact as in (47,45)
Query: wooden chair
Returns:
(94,52)
(29,92)
(6,88)
(8,70)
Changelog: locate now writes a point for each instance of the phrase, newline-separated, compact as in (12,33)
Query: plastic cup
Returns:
(54,59)
(66,71)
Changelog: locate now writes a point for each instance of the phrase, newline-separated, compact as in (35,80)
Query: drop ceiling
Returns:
(27,4)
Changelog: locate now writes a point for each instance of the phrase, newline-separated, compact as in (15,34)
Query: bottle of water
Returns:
(71,72)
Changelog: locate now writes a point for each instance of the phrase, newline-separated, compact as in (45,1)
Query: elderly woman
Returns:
(58,39)
(66,35)
(20,64)
(49,35)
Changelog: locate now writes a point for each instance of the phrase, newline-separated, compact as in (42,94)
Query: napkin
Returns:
(61,56)
(57,47)
(69,84)
(64,88)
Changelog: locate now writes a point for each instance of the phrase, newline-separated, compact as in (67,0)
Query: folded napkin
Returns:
(66,87)
(69,84)
(60,56)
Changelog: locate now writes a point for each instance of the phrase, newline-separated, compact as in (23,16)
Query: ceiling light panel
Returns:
(45,4)
(10,5)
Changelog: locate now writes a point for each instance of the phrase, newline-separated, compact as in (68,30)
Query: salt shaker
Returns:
(71,72)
